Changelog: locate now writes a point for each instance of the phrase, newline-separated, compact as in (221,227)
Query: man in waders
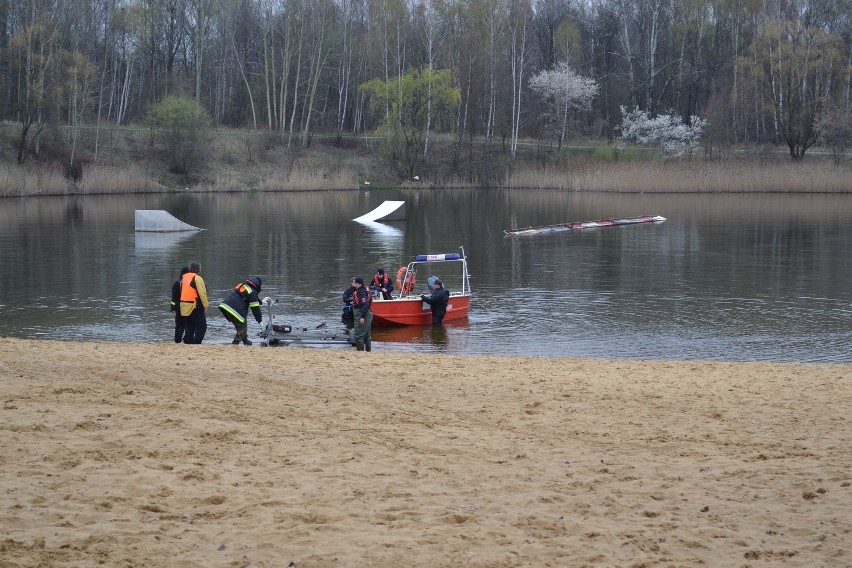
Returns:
(362,303)
(236,305)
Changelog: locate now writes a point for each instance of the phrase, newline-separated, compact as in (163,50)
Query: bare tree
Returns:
(835,132)
(35,58)
(796,69)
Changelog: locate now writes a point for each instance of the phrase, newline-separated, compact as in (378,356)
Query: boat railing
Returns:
(434,259)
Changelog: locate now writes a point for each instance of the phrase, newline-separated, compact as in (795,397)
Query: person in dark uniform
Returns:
(193,304)
(236,305)
(437,301)
(347,316)
(362,302)
(180,323)
(382,282)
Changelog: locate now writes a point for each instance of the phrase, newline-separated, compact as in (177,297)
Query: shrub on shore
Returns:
(113,179)
(32,179)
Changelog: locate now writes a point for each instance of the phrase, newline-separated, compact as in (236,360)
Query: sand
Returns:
(173,455)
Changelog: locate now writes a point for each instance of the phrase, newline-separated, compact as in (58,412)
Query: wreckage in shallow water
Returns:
(159,221)
(576,226)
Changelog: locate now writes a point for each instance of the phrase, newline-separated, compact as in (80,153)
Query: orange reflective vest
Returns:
(188,292)
(357,300)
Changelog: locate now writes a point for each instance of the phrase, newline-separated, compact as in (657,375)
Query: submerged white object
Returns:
(383,210)
(159,221)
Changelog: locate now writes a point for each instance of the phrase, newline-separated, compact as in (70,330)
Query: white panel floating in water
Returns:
(383,210)
(159,221)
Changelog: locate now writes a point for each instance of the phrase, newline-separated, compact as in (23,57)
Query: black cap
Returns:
(380,271)
(358,280)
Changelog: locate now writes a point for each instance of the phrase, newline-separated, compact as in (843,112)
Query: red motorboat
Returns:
(407,308)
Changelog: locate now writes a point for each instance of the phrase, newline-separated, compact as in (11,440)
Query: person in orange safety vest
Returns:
(193,304)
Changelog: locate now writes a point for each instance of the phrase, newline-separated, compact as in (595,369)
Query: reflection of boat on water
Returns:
(419,334)
(407,308)
(576,226)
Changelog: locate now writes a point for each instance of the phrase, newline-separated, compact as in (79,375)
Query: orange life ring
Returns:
(405,280)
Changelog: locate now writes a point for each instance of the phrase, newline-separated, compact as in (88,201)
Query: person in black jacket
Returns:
(180,321)
(236,305)
(437,301)
(362,302)
(348,317)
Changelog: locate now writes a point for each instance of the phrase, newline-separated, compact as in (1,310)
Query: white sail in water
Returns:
(383,210)
(159,221)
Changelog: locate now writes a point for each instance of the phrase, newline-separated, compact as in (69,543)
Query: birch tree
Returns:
(518,19)
(201,17)
(321,12)
(79,73)
(564,90)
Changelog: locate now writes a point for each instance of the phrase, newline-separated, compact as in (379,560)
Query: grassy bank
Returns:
(730,176)
(128,161)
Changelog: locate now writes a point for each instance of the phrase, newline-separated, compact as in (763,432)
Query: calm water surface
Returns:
(727,277)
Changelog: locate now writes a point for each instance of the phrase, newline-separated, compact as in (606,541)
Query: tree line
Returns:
(490,70)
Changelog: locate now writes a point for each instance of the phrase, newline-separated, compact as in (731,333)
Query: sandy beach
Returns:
(138,455)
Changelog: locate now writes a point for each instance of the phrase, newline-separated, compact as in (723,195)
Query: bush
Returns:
(183,126)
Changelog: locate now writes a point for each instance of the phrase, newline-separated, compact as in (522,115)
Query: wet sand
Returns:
(171,455)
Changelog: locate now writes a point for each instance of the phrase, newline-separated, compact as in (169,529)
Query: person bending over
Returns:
(236,305)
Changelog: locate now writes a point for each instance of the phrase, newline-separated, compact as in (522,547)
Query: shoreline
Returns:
(343,173)
(154,454)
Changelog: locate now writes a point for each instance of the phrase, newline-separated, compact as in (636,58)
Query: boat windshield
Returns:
(451,269)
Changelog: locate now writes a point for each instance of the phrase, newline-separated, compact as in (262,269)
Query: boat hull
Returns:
(413,311)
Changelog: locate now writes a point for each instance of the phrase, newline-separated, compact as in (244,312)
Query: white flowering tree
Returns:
(564,90)
(667,131)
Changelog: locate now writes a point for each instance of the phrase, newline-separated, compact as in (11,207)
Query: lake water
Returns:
(726,277)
